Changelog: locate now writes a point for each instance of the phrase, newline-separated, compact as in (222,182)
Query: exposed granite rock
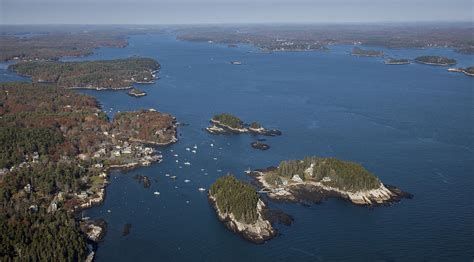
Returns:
(257,232)
(316,192)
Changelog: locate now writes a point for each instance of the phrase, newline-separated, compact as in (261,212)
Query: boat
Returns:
(235,62)
(187,181)
(156,193)
(188,149)
(187,163)
(194,151)
(173,177)
(201,189)
(195,147)
(167,175)
(175,155)
(212,145)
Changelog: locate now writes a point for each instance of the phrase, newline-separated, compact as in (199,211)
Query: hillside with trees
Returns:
(229,120)
(235,197)
(100,74)
(340,174)
(55,147)
(55,45)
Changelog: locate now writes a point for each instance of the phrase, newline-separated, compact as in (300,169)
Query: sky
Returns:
(231,11)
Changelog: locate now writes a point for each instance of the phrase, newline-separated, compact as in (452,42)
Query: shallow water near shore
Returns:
(411,125)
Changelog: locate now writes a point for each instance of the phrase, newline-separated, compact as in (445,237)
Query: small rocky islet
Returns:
(229,124)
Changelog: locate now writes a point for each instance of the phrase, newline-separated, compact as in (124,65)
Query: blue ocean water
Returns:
(411,125)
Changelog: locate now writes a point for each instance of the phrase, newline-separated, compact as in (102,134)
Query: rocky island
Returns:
(469,71)
(136,92)
(259,145)
(314,179)
(99,75)
(393,61)
(230,124)
(239,207)
(356,51)
(435,60)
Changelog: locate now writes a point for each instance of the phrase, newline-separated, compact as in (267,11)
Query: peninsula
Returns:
(314,179)
(56,147)
(99,75)
(435,60)
(230,124)
(239,207)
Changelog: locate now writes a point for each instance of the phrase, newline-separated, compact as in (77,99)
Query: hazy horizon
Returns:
(185,12)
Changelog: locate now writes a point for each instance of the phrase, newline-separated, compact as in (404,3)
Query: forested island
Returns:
(393,61)
(356,51)
(99,74)
(55,149)
(52,46)
(435,60)
(239,207)
(313,179)
(229,124)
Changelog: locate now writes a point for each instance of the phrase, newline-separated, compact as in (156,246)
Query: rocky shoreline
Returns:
(258,232)
(315,192)
(218,128)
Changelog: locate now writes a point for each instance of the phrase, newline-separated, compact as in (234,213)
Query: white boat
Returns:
(187,163)
(188,149)
(177,160)
(201,189)
(215,158)
(187,181)
(175,155)
(173,177)
(212,145)
(156,193)
(194,151)
(195,147)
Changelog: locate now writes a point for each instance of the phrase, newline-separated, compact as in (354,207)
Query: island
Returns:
(98,75)
(356,51)
(56,148)
(469,71)
(435,60)
(314,179)
(136,92)
(393,61)
(259,145)
(239,207)
(229,124)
